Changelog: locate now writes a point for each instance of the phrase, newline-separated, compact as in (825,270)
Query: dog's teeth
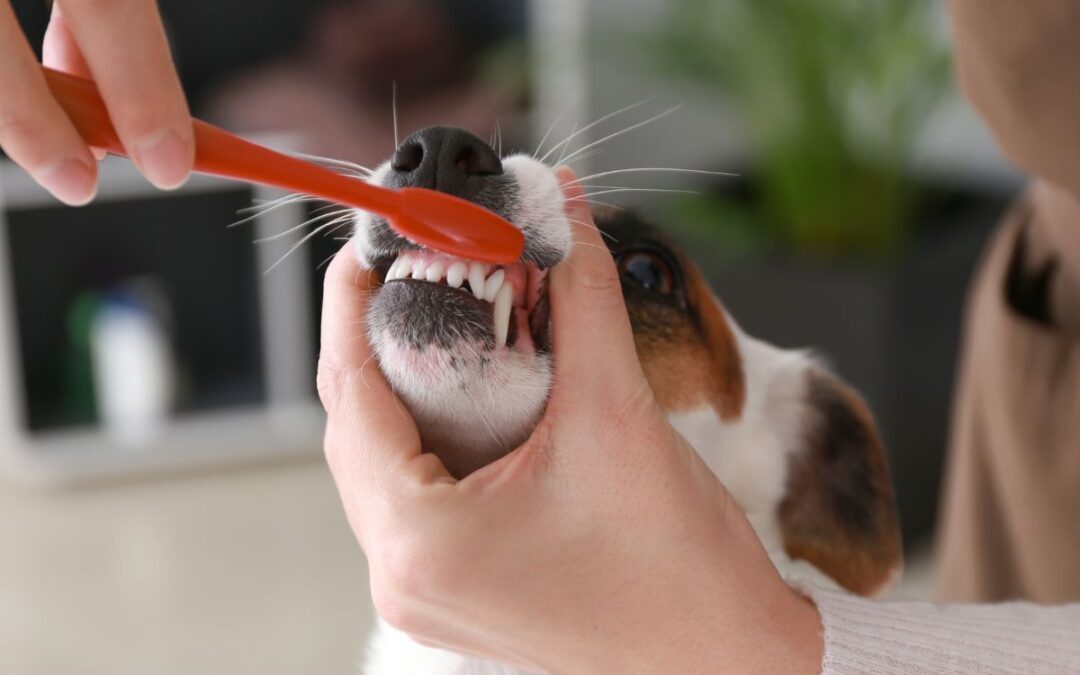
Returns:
(455,274)
(434,273)
(396,268)
(477,273)
(504,303)
(494,283)
(418,270)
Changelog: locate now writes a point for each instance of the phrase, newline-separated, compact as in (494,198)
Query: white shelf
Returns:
(186,443)
(290,422)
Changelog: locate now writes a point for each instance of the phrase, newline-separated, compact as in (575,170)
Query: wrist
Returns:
(752,623)
(806,634)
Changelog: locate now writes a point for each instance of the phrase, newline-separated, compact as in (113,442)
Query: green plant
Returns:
(832,94)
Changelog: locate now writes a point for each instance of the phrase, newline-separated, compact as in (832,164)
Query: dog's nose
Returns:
(447,159)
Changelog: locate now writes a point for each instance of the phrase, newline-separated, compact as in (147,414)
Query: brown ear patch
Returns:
(839,511)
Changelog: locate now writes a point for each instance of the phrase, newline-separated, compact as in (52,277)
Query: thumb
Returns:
(368,432)
(592,340)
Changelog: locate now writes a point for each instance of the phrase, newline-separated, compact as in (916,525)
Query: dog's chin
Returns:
(473,398)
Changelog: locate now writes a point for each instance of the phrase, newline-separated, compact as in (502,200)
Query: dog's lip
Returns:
(529,283)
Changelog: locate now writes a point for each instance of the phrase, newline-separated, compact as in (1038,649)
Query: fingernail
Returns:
(71,180)
(164,159)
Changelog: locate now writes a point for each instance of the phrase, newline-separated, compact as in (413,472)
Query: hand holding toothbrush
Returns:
(121,45)
(53,123)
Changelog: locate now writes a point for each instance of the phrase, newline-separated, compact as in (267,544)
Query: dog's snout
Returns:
(444,159)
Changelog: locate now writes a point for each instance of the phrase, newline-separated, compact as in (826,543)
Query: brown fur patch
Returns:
(698,362)
(684,341)
(839,512)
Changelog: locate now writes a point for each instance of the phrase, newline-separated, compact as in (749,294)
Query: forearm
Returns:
(866,636)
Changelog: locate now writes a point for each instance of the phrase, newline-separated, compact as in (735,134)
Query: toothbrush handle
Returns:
(222,154)
(435,219)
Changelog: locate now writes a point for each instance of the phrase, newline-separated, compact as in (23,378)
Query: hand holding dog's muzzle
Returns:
(603,544)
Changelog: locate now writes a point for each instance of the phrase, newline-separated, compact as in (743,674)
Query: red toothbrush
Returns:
(433,219)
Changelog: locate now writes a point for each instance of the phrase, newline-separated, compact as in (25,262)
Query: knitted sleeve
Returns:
(878,638)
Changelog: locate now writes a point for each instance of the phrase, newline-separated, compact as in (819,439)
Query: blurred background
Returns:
(159,365)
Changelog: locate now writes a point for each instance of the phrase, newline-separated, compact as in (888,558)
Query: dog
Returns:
(467,348)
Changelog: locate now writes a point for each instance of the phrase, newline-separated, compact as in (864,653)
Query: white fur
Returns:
(750,455)
(362,219)
(540,211)
(474,405)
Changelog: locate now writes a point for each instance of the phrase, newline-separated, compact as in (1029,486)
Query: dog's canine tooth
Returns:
(477,274)
(493,284)
(504,303)
(434,272)
(455,274)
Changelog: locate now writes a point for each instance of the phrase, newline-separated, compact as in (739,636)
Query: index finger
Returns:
(369,430)
(123,42)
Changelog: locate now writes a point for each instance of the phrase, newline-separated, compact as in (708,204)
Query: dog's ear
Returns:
(839,511)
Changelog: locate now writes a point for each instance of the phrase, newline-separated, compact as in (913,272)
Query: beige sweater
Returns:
(1010,526)
(878,638)
(1012,509)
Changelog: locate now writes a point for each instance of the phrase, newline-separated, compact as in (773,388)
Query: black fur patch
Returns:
(839,512)
(421,315)
(841,445)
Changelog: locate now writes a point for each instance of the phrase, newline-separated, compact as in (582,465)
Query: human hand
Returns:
(121,45)
(603,544)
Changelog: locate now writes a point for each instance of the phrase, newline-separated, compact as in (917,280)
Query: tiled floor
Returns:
(246,572)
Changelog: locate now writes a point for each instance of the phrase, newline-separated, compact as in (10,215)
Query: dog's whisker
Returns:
(311,221)
(607,192)
(257,211)
(393,111)
(606,187)
(577,132)
(603,203)
(579,158)
(332,162)
(603,234)
(562,153)
(330,257)
(585,243)
(659,169)
(592,226)
(262,203)
(597,202)
(360,370)
(311,235)
(558,118)
(623,131)
(495,436)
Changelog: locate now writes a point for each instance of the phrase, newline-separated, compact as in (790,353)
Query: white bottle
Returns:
(134,376)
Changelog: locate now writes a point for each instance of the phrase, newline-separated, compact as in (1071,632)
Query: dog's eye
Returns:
(647,270)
